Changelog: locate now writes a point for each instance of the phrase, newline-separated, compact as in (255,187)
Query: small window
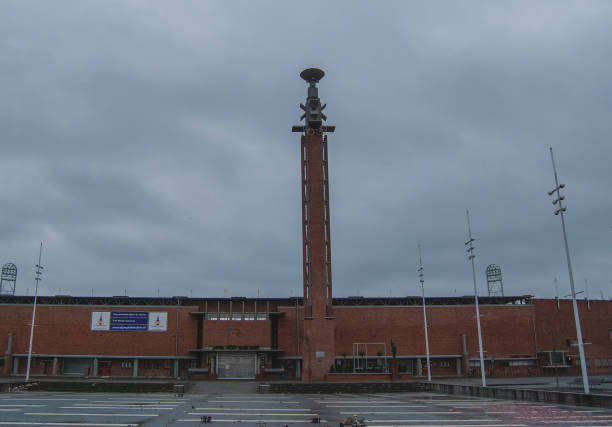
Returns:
(249,316)
(444,364)
(475,363)
(192,363)
(557,358)
(610,333)
(211,316)
(236,316)
(224,316)
(127,364)
(262,316)
(597,363)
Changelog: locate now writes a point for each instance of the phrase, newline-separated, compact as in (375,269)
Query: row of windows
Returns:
(476,363)
(598,362)
(236,316)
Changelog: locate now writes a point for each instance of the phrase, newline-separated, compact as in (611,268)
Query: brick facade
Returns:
(519,339)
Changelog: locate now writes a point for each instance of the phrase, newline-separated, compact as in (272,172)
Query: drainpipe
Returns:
(466,355)
(8,356)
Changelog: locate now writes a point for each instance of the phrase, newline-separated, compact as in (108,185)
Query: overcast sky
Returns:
(148,144)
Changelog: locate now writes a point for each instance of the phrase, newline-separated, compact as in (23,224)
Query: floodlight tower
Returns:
(8,279)
(495,285)
(318,333)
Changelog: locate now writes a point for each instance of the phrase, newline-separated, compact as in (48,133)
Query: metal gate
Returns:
(236,365)
(74,366)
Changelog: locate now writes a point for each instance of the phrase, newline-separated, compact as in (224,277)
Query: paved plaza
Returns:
(226,407)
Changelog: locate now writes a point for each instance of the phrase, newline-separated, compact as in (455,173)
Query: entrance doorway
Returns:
(236,366)
(104,368)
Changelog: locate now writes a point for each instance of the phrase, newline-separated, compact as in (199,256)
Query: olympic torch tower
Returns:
(318,317)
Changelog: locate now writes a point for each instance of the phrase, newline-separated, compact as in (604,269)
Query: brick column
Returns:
(318,347)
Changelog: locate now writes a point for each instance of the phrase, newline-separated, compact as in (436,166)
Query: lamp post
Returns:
(422,280)
(561,210)
(37,279)
(471,258)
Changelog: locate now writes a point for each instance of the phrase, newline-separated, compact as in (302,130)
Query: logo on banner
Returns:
(158,321)
(100,321)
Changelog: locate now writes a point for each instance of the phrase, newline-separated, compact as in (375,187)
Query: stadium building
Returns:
(314,337)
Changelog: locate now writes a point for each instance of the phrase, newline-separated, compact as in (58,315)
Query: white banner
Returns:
(158,321)
(100,320)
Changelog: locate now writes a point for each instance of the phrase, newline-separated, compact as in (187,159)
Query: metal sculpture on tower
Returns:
(318,333)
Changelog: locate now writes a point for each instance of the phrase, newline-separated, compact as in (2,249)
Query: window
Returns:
(521,363)
(126,364)
(262,316)
(557,358)
(211,316)
(445,364)
(597,363)
(193,363)
(236,316)
(224,316)
(610,333)
(249,316)
(475,363)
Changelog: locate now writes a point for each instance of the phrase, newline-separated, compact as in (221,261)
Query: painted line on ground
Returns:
(445,421)
(29,406)
(43,423)
(253,409)
(136,402)
(84,405)
(115,407)
(11,410)
(377,406)
(402,412)
(358,403)
(249,421)
(91,415)
(246,401)
(443,425)
(252,415)
(36,398)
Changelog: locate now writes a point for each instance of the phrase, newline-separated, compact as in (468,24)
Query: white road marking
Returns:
(442,425)
(11,410)
(91,415)
(36,398)
(403,412)
(245,401)
(259,420)
(147,399)
(458,420)
(256,414)
(377,406)
(143,402)
(30,406)
(116,407)
(253,409)
(127,405)
(234,396)
(42,423)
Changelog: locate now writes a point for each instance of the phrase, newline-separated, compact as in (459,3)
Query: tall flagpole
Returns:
(37,279)
(561,210)
(422,280)
(471,258)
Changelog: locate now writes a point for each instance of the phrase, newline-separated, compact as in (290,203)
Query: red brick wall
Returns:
(556,326)
(507,330)
(237,332)
(62,329)
(287,339)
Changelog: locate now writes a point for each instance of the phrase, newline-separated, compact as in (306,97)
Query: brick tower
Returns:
(318,325)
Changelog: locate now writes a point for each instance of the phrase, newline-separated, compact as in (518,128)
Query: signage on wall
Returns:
(129,321)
